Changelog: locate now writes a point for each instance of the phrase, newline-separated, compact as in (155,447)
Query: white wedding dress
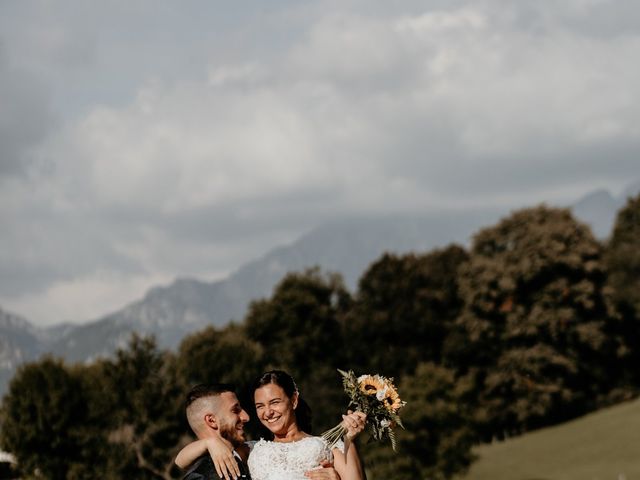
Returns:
(287,461)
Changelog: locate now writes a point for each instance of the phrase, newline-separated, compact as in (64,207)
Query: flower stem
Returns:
(334,435)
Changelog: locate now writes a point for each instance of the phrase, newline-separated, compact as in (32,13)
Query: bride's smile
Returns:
(276,411)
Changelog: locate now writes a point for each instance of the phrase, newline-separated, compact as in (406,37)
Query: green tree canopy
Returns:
(224,355)
(623,257)
(623,264)
(299,325)
(536,321)
(116,418)
(42,418)
(404,310)
(146,422)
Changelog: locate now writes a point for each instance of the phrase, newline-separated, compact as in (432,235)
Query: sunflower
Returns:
(392,401)
(378,398)
(371,384)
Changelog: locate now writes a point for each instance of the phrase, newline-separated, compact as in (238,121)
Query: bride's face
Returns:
(274,408)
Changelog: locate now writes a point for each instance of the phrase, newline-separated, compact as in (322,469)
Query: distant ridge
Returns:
(599,209)
(19,342)
(347,246)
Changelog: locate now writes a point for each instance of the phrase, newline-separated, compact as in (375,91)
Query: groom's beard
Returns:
(234,433)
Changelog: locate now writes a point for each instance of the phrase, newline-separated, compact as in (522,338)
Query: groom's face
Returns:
(231,418)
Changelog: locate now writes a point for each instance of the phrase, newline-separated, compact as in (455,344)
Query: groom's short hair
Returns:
(202,399)
(208,390)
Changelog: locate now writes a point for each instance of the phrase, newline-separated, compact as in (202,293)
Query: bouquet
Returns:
(375,396)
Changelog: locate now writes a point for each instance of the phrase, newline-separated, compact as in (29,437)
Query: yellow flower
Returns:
(392,401)
(371,384)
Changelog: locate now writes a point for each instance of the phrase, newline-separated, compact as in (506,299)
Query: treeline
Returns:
(535,324)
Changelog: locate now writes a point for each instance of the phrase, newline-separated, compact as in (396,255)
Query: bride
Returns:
(291,453)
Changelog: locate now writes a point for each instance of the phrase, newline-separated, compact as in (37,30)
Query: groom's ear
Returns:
(211,421)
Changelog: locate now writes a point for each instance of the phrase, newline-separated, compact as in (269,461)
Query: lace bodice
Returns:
(287,461)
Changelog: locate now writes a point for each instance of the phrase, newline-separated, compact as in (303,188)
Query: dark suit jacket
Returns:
(203,469)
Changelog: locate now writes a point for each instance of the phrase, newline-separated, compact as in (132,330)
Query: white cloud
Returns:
(363,110)
(83,298)
(336,105)
(188,147)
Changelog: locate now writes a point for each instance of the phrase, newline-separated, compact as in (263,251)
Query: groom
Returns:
(214,410)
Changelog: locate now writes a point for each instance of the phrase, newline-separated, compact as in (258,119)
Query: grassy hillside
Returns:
(604,445)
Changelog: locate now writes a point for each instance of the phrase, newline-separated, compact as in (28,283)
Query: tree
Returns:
(43,414)
(404,311)
(623,257)
(144,427)
(219,355)
(117,418)
(536,322)
(623,264)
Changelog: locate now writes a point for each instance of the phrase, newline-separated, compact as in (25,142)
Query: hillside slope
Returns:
(599,446)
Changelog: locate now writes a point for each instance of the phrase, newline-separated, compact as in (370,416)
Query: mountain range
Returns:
(347,246)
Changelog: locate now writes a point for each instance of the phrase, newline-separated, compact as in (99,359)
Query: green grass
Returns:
(604,445)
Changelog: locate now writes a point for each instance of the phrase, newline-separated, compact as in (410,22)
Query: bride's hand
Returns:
(354,423)
(221,452)
(327,472)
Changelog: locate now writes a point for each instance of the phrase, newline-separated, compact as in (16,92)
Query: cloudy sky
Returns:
(142,140)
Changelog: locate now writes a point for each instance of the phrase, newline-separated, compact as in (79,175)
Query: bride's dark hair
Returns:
(286,382)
